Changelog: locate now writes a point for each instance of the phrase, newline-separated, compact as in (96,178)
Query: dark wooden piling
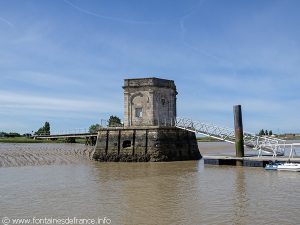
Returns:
(239,134)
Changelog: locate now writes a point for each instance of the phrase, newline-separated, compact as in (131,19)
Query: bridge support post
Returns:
(239,134)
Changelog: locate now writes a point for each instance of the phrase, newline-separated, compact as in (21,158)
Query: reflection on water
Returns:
(216,148)
(241,199)
(151,193)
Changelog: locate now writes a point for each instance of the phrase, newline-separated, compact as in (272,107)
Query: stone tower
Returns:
(149,102)
(149,132)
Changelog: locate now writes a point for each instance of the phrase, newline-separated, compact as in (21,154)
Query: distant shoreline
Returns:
(207,139)
(288,137)
(31,140)
(82,141)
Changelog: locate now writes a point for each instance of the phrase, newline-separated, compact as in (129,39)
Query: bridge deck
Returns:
(55,136)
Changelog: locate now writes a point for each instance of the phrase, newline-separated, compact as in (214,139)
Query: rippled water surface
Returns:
(143,193)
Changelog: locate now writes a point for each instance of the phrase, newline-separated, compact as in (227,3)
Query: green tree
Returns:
(261,132)
(45,130)
(94,128)
(270,132)
(266,132)
(114,121)
(47,127)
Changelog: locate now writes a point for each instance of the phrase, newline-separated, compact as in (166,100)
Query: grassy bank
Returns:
(31,140)
(207,139)
(288,137)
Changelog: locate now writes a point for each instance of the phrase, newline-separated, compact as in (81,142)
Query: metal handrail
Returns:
(262,144)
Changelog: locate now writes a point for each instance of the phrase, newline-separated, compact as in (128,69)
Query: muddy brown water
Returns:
(60,181)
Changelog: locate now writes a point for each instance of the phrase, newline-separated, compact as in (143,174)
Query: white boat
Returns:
(272,165)
(288,166)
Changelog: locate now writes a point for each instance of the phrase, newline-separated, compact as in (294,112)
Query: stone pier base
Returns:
(140,144)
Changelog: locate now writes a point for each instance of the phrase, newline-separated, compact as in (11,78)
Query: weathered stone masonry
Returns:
(149,102)
(146,144)
(149,133)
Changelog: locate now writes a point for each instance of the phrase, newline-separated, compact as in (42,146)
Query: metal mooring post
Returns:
(239,134)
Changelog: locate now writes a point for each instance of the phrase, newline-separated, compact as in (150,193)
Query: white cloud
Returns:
(257,113)
(225,104)
(44,79)
(20,101)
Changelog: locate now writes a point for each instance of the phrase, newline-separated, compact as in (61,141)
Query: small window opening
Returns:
(126,144)
(139,112)
(163,101)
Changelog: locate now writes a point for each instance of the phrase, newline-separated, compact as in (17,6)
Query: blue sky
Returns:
(64,61)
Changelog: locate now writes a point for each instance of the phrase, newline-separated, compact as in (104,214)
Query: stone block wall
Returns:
(146,144)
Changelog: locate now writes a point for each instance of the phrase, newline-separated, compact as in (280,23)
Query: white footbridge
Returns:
(262,144)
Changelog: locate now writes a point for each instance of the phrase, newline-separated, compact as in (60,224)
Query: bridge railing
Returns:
(206,129)
(260,143)
(64,132)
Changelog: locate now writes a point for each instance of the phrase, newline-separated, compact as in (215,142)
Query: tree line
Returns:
(10,134)
(113,121)
(263,132)
(44,130)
